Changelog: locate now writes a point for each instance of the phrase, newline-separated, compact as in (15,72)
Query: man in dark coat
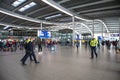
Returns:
(29,52)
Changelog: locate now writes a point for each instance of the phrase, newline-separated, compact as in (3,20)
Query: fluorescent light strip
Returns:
(53,16)
(53,4)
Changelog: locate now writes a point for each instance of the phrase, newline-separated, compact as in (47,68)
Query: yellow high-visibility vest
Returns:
(93,42)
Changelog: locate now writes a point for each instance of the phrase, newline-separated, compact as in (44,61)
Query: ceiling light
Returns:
(17,2)
(27,6)
(53,16)
(32,4)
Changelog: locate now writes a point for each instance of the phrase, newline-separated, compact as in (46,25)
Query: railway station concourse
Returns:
(59,25)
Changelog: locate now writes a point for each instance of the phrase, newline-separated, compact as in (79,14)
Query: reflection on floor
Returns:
(65,63)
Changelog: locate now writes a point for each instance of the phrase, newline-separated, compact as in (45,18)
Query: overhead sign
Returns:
(115,35)
(43,34)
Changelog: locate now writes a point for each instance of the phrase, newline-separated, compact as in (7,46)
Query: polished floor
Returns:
(65,63)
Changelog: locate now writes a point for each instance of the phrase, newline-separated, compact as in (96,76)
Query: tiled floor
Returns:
(65,63)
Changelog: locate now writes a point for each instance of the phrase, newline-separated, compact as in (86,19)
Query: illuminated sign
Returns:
(43,34)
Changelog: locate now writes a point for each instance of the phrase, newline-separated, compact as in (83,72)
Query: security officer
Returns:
(29,52)
(93,44)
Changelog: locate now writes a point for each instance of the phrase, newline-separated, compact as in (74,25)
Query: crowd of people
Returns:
(108,44)
(94,44)
(7,46)
(30,43)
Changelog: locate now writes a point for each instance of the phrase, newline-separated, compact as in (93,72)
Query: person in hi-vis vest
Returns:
(93,44)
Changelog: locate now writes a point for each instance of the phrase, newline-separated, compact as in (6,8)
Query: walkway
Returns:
(62,64)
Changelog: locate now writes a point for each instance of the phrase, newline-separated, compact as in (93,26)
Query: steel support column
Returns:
(102,31)
(93,28)
(73,21)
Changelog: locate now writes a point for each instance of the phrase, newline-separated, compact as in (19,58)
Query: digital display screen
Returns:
(44,34)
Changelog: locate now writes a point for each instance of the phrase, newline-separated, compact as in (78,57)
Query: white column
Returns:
(41,26)
(73,20)
(81,27)
(93,28)
(102,31)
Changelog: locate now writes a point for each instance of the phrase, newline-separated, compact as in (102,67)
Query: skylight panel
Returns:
(53,16)
(32,4)
(27,6)
(22,9)
(17,2)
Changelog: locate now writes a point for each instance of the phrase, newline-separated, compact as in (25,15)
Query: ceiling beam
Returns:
(23,22)
(47,14)
(98,9)
(45,7)
(58,7)
(6,24)
(37,10)
(23,17)
(3,17)
(102,12)
(89,4)
(62,1)
(33,12)
(64,10)
(14,21)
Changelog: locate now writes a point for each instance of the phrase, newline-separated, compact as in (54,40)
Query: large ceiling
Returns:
(106,10)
